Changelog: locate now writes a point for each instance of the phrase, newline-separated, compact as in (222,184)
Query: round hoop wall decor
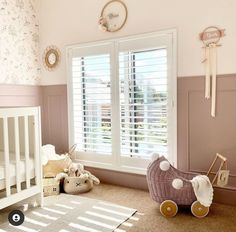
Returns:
(51,57)
(211,35)
(113,16)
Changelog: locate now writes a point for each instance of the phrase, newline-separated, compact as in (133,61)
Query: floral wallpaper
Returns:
(19,42)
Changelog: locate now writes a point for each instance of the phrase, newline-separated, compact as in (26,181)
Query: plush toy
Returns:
(78,184)
(102,22)
(81,184)
(75,169)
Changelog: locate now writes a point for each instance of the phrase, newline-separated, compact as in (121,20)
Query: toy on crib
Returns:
(171,187)
(77,180)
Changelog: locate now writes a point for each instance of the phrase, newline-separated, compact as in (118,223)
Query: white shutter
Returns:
(144,102)
(92,103)
(122,101)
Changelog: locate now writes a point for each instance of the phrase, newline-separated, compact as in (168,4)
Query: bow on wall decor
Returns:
(211,37)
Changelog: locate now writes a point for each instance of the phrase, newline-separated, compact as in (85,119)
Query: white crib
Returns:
(20,163)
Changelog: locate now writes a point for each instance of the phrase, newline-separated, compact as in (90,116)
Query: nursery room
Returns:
(117,115)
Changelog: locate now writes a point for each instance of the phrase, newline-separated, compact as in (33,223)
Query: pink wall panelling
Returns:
(20,95)
(120,178)
(199,135)
(54,117)
(53,102)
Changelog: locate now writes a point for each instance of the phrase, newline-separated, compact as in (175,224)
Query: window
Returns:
(92,103)
(143,99)
(122,101)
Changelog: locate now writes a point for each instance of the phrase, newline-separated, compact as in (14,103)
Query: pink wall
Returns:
(199,135)
(53,102)
(54,117)
(20,95)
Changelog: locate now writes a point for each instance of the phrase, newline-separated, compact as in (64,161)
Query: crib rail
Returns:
(18,111)
(24,114)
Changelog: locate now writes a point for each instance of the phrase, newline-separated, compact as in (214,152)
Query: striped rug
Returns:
(70,213)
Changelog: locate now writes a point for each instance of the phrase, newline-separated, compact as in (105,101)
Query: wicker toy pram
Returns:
(162,191)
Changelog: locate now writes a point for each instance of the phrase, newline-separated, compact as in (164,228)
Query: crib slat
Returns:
(36,150)
(37,157)
(27,167)
(6,157)
(17,151)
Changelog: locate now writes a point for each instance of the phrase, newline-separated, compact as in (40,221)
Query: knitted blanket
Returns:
(203,189)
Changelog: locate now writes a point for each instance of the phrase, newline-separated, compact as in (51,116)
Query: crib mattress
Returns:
(13,169)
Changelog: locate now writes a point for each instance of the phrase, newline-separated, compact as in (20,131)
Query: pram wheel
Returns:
(168,208)
(198,210)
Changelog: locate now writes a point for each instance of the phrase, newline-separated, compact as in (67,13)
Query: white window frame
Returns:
(115,161)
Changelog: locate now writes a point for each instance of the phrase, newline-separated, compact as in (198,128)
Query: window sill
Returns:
(107,166)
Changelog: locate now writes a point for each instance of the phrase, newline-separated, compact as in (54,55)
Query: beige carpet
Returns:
(221,218)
